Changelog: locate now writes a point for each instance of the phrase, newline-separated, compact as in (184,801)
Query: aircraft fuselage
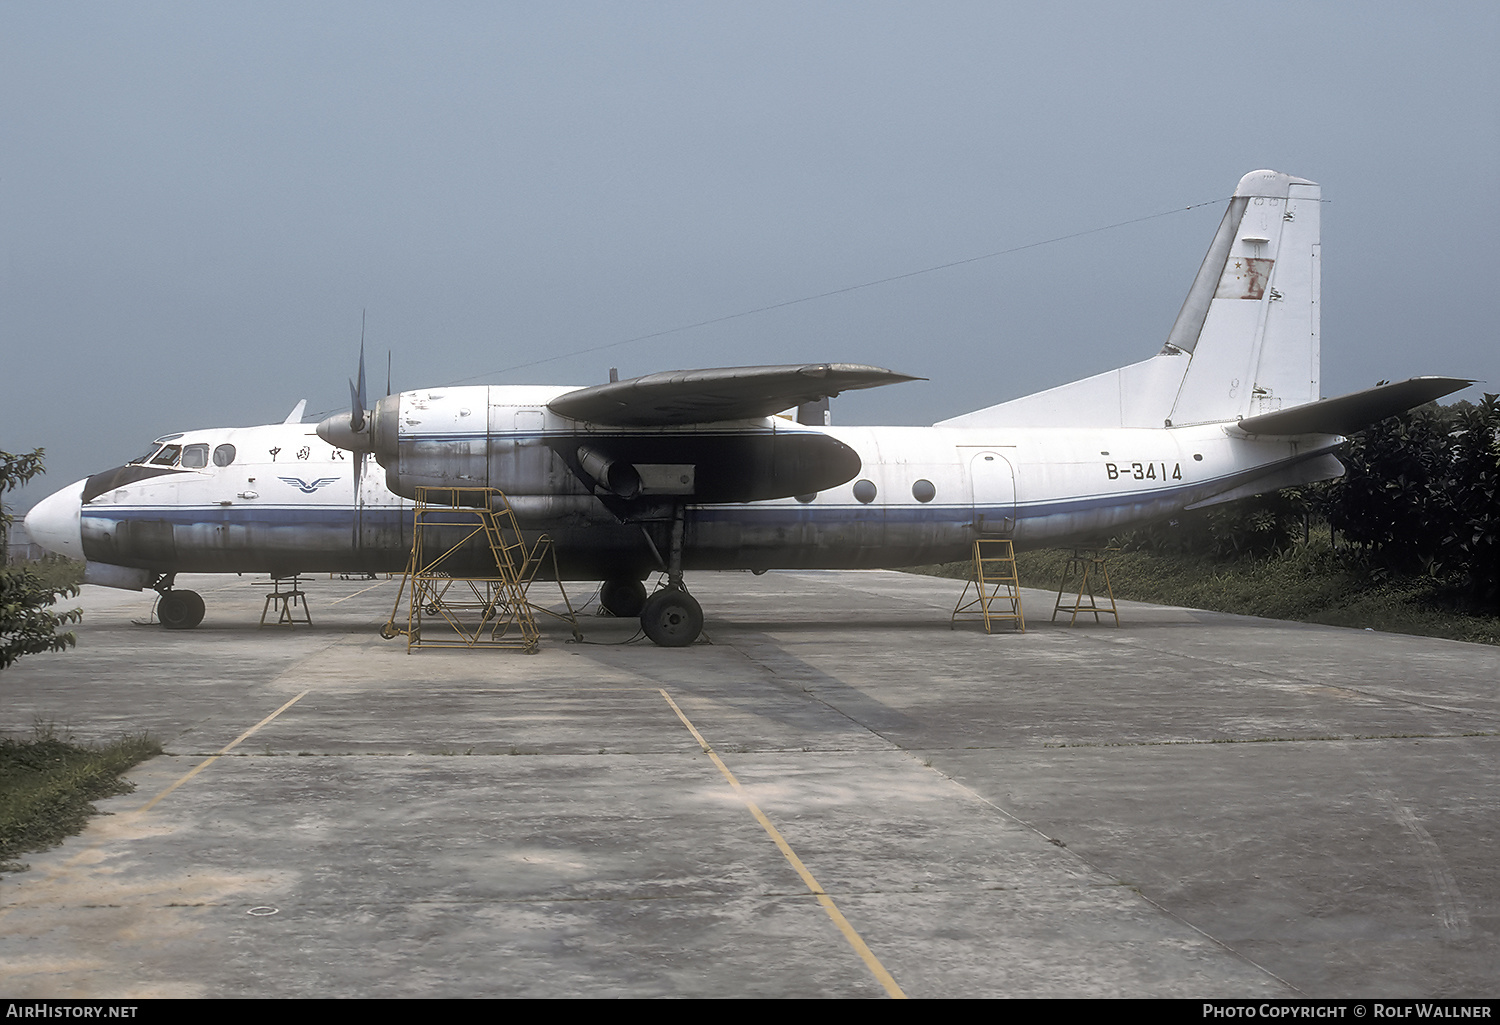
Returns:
(285,501)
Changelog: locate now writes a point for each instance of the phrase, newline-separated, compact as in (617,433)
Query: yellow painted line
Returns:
(865,953)
(356,594)
(236,742)
(88,850)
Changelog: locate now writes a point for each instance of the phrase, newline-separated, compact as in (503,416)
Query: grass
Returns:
(1309,583)
(48,784)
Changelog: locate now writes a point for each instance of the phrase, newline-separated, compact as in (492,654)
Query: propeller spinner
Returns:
(352,432)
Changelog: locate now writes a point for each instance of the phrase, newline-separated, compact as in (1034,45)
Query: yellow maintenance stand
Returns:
(997,587)
(488,610)
(1091,566)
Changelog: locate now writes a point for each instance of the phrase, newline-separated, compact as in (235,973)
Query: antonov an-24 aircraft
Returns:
(694,470)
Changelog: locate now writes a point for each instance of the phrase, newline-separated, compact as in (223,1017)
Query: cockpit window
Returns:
(168,456)
(223,455)
(195,457)
(164,456)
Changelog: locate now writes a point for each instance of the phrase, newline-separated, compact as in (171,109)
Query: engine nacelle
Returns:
(506,437)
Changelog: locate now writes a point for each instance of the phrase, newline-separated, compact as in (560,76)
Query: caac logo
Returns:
(305,487)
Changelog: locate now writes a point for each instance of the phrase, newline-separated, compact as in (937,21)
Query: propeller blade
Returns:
(358,399)
(356,406)
(364,399)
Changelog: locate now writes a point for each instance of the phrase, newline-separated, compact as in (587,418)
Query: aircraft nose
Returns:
(53,522)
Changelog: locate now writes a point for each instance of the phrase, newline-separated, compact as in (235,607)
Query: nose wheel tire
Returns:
(180,610)
(672,618)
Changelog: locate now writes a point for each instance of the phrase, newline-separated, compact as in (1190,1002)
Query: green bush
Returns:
(1257,526)
(27,623)
(1419,498)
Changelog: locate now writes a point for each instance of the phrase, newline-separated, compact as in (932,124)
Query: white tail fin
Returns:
(1244,343)
(1250,322)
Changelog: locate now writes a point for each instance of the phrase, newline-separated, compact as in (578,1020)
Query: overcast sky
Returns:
(198,200)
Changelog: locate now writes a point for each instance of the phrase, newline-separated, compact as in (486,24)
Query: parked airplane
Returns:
(692,470)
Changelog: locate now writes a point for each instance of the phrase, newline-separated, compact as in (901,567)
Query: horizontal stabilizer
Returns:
(1349,413)
(680,397)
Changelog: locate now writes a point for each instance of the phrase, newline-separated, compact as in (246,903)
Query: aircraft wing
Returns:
(680,397)
(1349,413)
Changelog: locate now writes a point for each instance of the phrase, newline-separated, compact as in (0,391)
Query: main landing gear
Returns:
(177,610)
(671,617)
(623,597)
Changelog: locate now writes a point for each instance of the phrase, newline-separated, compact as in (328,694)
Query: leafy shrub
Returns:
(1257,526)
(27,623)
(1419,497)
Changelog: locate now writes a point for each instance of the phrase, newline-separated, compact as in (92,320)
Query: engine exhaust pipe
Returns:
(613,475)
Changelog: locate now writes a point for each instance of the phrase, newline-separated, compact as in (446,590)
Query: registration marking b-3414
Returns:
(1143,471)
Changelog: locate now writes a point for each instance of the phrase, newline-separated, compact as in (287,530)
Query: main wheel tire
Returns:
(623,598)
(180,610)
(672,618)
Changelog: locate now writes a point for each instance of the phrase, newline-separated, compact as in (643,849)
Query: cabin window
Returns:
(223,455)
(923,491)
(864,491)
(168,456)
(195,457)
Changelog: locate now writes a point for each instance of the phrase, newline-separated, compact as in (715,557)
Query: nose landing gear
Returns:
(177,610)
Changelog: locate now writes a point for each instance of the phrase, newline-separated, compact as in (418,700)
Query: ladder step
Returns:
(996,583)
(486,609)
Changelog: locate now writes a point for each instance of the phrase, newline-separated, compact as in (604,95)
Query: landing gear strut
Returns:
(177,610)
(671,617)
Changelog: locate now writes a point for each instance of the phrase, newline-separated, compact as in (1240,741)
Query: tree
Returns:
(27,622)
